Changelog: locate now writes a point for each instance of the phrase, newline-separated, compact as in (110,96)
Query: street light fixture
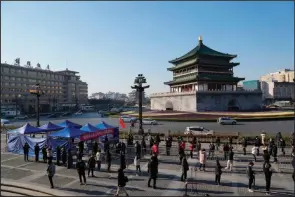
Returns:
(138,82)
(38,92)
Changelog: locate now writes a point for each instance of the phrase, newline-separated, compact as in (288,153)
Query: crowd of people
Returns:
(64,157)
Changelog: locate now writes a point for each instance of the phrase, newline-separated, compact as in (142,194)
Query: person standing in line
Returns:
(80,166)
(122,161)
(268,173)
(270,146)
(44,154)
(123,147)
(98,159)
(122,180)
(64,156)
(168,145)
(26,151)
(217,142)
(218,172)
(250,174)
(244,144)
(266,156)
(211,150)
(151,140)
(254,152)
(230,160)
(275,153)
(153,171)
(185,168)
(225,150)
(181,153)
(137,149)
(91,165)
(49,153)
(191,149)
(70,159)
(158,138)
(58,155)
(37,150)
(283,145)
(230,141)
(143,145)
(257,143)
(155,149)
(202,159)
(50,172)
(199,148)
(108,160)
(278,138)
(137,165)
(95,147)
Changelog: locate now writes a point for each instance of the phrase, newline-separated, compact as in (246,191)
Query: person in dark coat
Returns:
(123,146)
(217,142)
(137,149)
(168,145)
(80,166)
(283,145)
(244,144)
(230,141)
(152,142)
(293,165)
(81,146)
(95,148)
(153,171)
(266,156)
(44,154)
(257,143)
(158,139)
(64,156)
(37,150)
(268,173)
(271,146)
(218,172)
(26,151)
(225,150)
(91,165)
(108,160)
(185,168)
(58,155)
(181,153)
(211,150)
(278,138)
(118,147)
(70,159)
(122,180)
(122,161)
(251,176)
(143,144)
(275,153)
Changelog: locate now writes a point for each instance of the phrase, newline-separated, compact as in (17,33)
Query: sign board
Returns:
(97,134)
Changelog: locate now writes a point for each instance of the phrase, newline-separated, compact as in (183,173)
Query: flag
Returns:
(122,123)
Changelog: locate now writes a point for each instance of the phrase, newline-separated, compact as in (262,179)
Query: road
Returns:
(248,128)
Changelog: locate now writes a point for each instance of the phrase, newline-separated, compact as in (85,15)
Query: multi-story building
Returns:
(285,75)
(277,91)
(61,88)
(203,80)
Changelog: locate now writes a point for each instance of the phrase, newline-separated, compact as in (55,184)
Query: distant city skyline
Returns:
(109,43)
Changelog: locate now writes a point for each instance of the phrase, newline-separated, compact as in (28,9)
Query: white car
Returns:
(6,123)
(226,120)
(196,130)
(128,118)
(78,113)
(149,121)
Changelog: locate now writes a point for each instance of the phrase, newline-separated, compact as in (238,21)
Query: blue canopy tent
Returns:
(68,132)
(27,129)
(51,127)
(104,126)
(89,128)
(68,123)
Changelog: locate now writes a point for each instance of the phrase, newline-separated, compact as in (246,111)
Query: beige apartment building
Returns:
(62,89)
(285,75)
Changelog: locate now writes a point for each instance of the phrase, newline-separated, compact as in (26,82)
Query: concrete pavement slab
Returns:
(15,174)
(58,181)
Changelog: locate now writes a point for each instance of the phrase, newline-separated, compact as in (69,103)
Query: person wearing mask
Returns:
(98,159)
(275,153)
(137,165)
(26,149)
(58,155)
(91,165)
(250,174)
(217,142)
(168,145)
(244,144)
(80,166)
(283,145)
(254,152)
(122,180)
(50,172)
(137,149)
(230,160)
(64,156)
(225,150)
(211,150)
(37,150)
(191,149)
(218,172)
(185,168)
(153,171)
(155,149)
(257,143)
(108,160)
(122,161)
(268,173)
(44,154)
(49,153)
(202,159)
(143,145)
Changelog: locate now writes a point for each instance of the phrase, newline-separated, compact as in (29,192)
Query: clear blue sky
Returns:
(109,43)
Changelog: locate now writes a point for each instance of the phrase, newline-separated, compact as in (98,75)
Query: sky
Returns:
(110,43)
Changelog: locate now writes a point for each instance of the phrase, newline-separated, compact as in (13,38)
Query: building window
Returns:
(12,70)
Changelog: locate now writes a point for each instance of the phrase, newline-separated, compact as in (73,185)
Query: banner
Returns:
(97,134)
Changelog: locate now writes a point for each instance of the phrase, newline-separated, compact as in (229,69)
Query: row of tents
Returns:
(66,129)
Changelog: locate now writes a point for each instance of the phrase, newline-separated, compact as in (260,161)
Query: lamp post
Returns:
(37,91)
(16,103)
(138,86)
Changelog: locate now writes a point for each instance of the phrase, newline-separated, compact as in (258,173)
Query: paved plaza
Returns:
(13,168)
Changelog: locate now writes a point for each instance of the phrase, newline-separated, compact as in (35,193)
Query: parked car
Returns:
(128,119)
(66,114)
(25,117)
(78,113)
(197,130)
(226,121)
(149,121)
(6,123)
(52,116)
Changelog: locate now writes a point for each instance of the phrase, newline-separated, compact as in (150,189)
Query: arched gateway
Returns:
(169,105)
